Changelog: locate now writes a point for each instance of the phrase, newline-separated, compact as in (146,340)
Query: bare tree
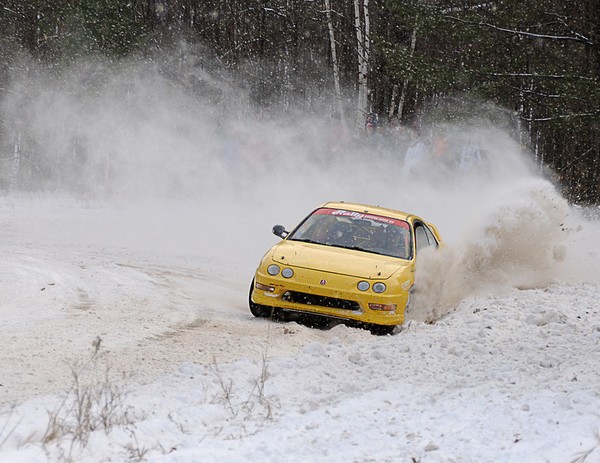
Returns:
(334,60)
(413,44)
(362,22)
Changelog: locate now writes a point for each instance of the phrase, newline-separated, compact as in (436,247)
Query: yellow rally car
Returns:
(346,262)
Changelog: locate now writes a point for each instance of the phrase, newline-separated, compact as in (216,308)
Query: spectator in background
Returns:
(371,124)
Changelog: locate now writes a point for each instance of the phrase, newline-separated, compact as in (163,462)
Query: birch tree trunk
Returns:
(367,56)
(334,61)
(413,44)
(361,107)
(393,102)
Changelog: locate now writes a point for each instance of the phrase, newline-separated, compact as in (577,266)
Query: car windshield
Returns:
(356,230)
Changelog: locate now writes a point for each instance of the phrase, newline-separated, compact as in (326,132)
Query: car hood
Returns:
(336,260)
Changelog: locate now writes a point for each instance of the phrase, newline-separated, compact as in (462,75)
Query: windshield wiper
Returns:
(357,248)
(352,248)
(305,240)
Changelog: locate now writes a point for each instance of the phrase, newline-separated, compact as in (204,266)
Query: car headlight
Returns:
(363,285)
(273,269)
(379,288)
(287,273)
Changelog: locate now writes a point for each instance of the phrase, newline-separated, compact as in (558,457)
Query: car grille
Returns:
(323,301)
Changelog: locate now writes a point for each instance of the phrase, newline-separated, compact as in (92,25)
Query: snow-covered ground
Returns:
(506,374)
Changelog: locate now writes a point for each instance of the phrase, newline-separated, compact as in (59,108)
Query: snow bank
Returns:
(505,379)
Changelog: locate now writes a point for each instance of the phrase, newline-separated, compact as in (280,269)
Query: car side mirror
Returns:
(279,230)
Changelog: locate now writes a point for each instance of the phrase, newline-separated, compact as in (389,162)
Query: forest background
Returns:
(411,62)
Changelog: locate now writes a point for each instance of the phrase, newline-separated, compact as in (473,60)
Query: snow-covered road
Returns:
(66,282)
(507,375)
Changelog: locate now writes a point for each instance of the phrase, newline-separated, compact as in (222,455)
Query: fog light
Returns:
(383,307)
(262,287)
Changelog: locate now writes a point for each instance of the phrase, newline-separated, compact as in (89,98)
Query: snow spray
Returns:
(194,164)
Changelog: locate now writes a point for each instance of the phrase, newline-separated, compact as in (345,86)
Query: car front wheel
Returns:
(382,330)
(258,310)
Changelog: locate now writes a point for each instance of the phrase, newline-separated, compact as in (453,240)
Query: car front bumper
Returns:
(331,295)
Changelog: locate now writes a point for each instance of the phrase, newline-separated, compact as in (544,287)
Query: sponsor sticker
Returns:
(353,215)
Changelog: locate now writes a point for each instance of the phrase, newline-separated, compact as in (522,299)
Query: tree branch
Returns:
(575,38)
(537,76)
(559,117)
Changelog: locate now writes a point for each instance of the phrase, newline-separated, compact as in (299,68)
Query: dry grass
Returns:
(94,402)
(255,406)
(582,457)
(8,429)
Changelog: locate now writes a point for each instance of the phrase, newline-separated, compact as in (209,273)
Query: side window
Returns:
(421,237)
(430,237)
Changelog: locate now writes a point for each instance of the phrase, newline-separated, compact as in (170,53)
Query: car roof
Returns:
(364,208)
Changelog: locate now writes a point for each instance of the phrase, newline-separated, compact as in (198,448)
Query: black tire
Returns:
(260,311)
(317,321)
(382,330)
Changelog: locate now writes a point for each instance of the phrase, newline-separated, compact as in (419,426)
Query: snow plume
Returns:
(507,227)
(99,132)
(515,241)
(150,132)
(182,158)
